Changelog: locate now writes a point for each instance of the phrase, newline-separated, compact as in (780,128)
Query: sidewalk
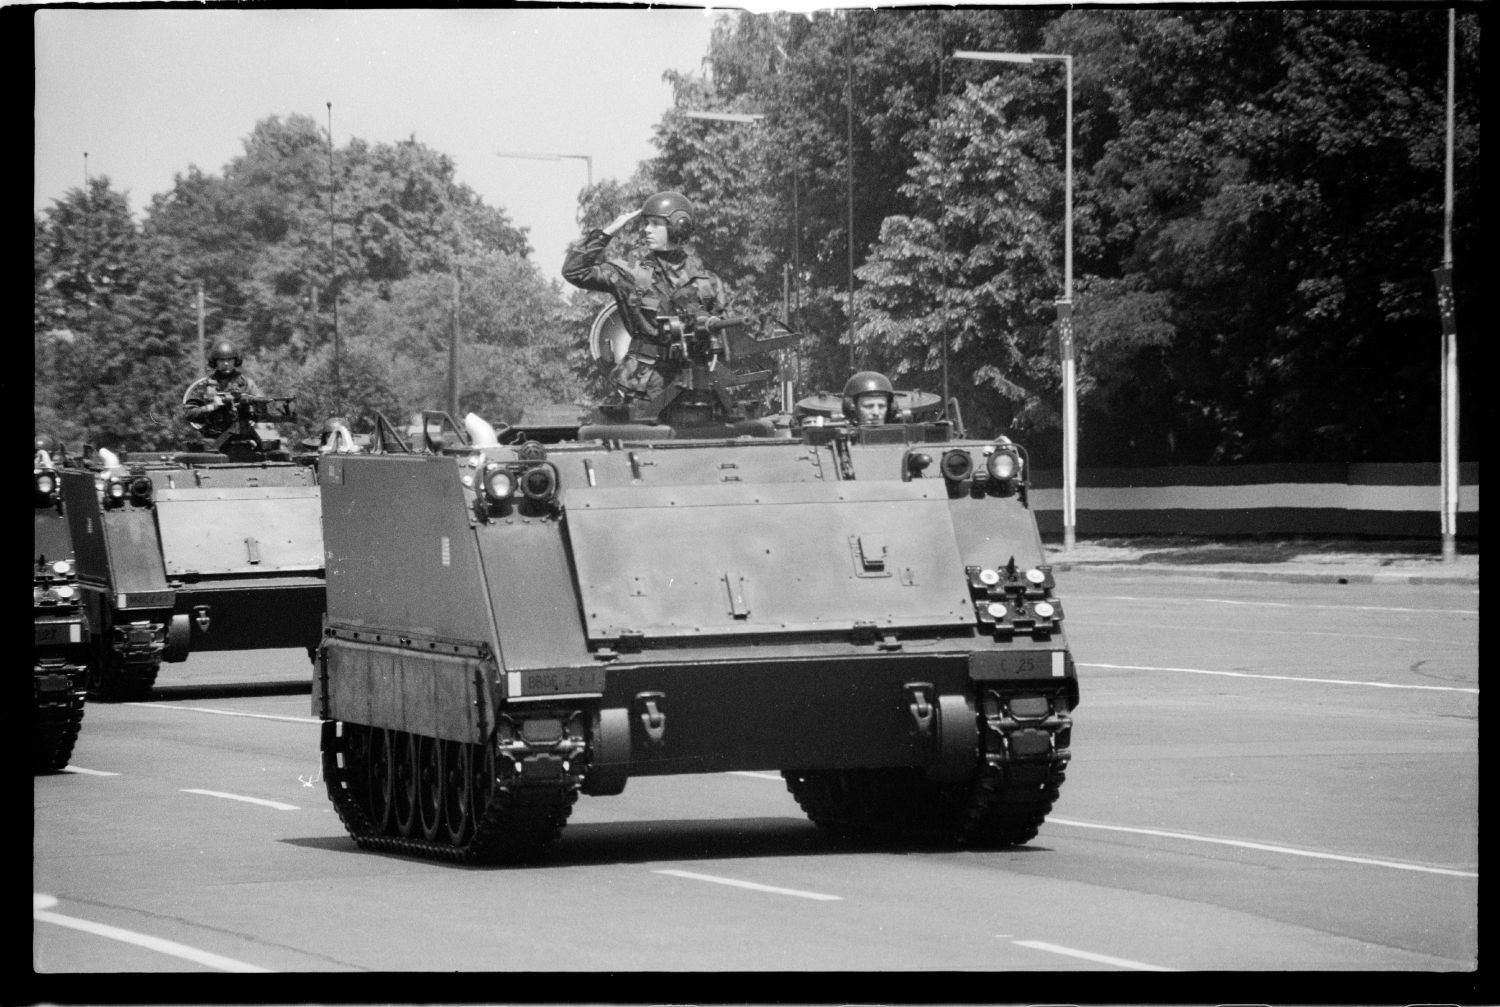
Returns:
(1327,561)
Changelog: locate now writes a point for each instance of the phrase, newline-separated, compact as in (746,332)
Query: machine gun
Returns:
(242,436)
(702,356)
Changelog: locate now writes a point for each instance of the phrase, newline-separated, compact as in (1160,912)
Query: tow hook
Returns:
(652,715)
(200,616)
(920,705)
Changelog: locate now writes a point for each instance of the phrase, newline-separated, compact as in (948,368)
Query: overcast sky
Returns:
(148,93)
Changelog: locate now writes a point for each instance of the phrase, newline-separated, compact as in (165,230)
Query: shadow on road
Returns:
(596,843)
(229,690)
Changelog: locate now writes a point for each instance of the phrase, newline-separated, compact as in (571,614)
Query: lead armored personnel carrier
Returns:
(180,552)
(677,588)
(59,672)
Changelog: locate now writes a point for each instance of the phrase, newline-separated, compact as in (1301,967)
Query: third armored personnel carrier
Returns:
(685,589)
(59,674)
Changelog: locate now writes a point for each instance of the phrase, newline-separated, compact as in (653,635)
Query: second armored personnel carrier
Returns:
(510,625)
(196,551)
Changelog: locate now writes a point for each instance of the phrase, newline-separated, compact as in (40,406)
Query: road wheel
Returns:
(458,792)
(404,782)
(430,780)
(381,780)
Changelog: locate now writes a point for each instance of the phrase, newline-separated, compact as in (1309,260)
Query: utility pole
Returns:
(338,350)
(202,347)
(1444,278)
(453,350)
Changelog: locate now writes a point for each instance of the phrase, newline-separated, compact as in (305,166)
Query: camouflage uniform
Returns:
(198,407)
(654,284)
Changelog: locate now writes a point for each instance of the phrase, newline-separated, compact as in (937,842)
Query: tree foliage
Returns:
(1257,208)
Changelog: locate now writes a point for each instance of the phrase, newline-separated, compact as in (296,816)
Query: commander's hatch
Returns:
(714,560)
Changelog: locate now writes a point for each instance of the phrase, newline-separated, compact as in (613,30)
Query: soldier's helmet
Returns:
(864,383)
(676,210)
(224,350)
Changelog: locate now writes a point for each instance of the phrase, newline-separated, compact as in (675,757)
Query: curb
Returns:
(1284,576)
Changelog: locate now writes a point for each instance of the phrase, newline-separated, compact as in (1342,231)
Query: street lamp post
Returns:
(589,161)
(1065,304)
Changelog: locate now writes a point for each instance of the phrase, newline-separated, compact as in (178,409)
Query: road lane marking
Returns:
(226,713)
(41,905)
(1281,678)
(87,772)
(753,886)
(1263,631)
(1280,604)
(248,800)
(777,777)
(1124,963)
(1268,848)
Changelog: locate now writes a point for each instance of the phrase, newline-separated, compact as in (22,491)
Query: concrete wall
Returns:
(1398,500)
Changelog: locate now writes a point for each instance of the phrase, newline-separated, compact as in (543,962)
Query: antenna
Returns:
(338,388)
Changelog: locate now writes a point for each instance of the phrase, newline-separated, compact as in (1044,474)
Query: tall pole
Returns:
(849,164)
(1065,303)
(1444,276)
(453,348)
(202,347)
(333,265)
(1069,361)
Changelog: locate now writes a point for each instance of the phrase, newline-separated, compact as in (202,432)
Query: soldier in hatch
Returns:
(665,279)
(869,399)
(208,403)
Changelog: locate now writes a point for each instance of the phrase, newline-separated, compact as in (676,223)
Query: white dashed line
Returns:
(87,772)
(1282,604)
(777,777)
(1268,848)
(1124,963)
(753,886)
(227,713)
(41,905)
(1282,678)
(248,800)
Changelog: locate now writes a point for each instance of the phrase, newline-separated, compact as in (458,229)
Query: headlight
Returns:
(66,592)
(1004,465)
(141,491)
(957,465)
(115,490)
(46,482)
(539,483)
(62,567)
(498,484)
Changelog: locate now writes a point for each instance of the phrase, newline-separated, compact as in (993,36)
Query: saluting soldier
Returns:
(665,279)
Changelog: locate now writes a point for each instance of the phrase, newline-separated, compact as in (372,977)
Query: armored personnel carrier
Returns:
(59,668)
(179,552)
(679,588)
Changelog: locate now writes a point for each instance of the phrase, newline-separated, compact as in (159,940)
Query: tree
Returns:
(110,352)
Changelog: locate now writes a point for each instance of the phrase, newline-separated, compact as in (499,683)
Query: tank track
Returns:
(515,824)
(1014,786)
(57,722)
(125,679)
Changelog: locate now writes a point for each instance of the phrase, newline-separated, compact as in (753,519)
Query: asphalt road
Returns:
(1267,778)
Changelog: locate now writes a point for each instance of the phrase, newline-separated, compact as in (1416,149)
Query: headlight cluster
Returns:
(500,486)
(54,595)
(137,488)
(46,485)
(1001,474)
(1009,600)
